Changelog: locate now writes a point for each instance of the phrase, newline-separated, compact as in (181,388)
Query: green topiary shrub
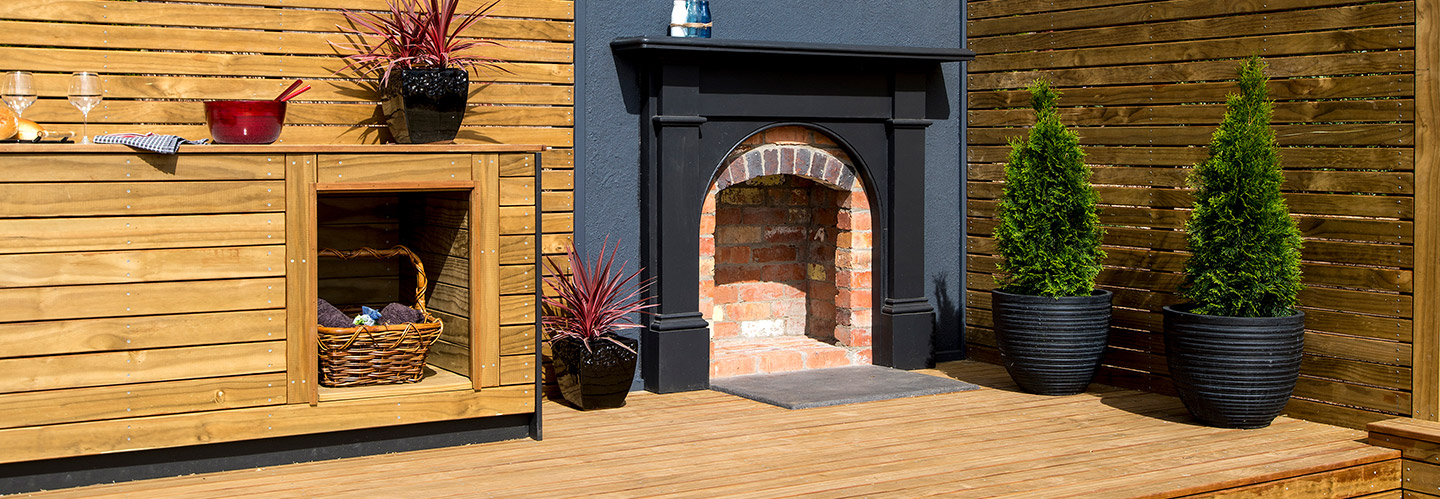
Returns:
(1245,259)
(1049,232)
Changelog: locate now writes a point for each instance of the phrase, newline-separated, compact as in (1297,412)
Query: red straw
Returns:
(281,97)
(297,92)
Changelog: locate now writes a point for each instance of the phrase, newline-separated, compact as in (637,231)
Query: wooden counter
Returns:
(160,301)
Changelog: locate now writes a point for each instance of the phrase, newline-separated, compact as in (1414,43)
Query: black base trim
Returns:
(675,361)
(140,465)
(908,344)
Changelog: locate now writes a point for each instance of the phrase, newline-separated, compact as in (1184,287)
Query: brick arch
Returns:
(786,191)
(801,160)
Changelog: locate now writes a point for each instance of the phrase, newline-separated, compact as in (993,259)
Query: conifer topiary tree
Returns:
(1049,231)
(1245,259)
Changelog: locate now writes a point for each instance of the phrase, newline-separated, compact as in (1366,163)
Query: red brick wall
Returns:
(854,244)
(786,244)
(763,243)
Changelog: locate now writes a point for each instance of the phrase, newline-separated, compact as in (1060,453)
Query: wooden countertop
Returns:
(53,148)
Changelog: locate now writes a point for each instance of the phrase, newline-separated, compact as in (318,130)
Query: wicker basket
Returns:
(377,355)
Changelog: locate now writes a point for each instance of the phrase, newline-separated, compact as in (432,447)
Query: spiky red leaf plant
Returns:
(591,300)
(414,34)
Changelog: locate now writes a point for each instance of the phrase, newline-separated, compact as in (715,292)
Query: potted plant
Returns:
(1051,324)
(1234,351)
(593,366)
(415,49)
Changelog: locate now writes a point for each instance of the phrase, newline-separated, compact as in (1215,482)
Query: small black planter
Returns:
(1051,346)
(1233,372)
(596,379)
(425,105)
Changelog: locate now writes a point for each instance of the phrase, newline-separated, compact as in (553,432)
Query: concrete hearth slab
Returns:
(836,386)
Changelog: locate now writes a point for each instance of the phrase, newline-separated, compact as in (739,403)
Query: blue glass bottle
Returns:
(692,15)
(703,17)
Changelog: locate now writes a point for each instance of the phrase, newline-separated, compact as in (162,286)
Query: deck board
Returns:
(990,442)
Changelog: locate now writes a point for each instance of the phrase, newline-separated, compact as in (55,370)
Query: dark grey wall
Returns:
(608,135)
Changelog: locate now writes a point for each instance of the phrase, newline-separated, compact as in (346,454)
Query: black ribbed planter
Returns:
(1051,346)
(1233,372)
(425,105)
(595,379)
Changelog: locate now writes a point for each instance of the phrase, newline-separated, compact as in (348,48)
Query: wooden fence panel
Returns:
(158,60)
(1143,84)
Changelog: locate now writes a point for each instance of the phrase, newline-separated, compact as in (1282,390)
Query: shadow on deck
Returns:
(991,442)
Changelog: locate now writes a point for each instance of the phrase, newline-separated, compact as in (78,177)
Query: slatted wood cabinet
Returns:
(161,301)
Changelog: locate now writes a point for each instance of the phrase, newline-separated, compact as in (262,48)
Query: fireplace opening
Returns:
(785,252)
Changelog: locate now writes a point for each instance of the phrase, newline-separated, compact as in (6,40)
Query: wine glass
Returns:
(18,91)
(85,95)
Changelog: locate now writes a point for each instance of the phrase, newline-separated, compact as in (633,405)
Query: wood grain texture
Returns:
(114,267)
(301,279)
(1298,178)
(79,439)
(1157,53)
(23,339)
(392,168)
(31,374)
(485,266)
(1370,206)
(241,17)
(1350,229)
(241,64)
(83,167)
(139,400)
(1207,114)
(154,38)
(1200,71)
(517,369)
(434,379)
(1135,13)
(1287,135)
(1397,159)
(110,233)
(545,9)
(111,300)
(1283,90)
(1427,219)
(51,88)
(984,443)
(1243,24)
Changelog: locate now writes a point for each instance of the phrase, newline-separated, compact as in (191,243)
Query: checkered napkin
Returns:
(163,144)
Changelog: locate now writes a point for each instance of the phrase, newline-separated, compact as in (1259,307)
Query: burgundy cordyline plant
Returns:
(414,34)
(592,300)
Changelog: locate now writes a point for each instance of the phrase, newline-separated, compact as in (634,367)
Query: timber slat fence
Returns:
(159,59)
(1144,85)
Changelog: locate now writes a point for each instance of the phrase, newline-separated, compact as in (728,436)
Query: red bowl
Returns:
(245,121)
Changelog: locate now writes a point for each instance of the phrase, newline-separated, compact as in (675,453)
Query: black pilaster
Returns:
(906,317)
(676,347)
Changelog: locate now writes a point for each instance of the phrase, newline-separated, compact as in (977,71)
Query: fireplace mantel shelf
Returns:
(697,47)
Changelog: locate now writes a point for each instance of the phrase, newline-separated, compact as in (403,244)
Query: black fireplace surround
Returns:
(704,96)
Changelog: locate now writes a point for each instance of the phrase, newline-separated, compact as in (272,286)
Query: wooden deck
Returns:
(990,442)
